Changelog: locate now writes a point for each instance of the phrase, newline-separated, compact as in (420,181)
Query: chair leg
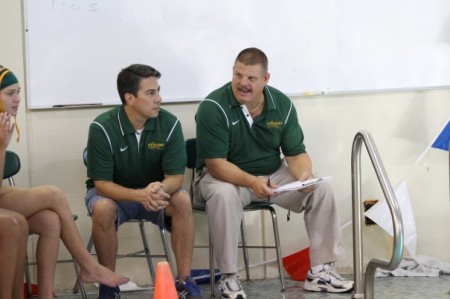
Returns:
(79,284)
(212,267)
(28,279)
(147,250)
(166,246)
(277,245)
(245,248)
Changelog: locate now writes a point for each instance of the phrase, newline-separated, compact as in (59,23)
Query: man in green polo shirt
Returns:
(136,161)
(242,130)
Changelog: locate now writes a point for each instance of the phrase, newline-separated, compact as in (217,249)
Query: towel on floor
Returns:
(420,265)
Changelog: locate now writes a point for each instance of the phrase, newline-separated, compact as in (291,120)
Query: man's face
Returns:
(10,98)
(148,100)
(248,82)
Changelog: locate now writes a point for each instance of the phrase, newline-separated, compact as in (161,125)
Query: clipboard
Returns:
(300,185)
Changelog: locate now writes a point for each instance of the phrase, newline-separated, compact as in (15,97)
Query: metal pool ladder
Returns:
(367,290)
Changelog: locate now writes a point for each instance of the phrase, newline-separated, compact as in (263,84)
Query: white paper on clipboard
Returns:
(299,185)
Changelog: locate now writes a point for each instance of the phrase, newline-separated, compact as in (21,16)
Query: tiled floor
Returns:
(385,288)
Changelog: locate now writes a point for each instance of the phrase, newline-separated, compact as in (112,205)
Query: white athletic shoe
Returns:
(230,287)
(327,280)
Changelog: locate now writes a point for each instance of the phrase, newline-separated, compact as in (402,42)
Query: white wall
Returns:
(402,124)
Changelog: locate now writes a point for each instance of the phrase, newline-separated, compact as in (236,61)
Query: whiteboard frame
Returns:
(274,63)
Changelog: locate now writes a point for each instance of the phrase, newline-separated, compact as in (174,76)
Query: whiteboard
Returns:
(75,48)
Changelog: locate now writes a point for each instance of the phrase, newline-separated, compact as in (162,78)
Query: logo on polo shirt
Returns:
(155,146)
(274,124)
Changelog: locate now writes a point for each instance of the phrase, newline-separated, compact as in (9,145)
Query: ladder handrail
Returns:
(364,136)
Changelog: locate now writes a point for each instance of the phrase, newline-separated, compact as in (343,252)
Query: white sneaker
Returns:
(327,280)
(230,287)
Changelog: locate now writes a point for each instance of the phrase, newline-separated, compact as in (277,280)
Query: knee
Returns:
(53,193)
(324,192)
(104,213)
(321,198)
(13,227)
(181,203)
(50,223)
(21,225)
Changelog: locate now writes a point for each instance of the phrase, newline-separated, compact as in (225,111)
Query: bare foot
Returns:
(102,275)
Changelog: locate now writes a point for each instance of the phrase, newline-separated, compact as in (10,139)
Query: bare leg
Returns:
(182,232)
(104,232)
(13,248)
(30,201)
(46,224)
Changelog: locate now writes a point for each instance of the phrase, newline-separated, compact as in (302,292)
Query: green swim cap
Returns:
(7,78)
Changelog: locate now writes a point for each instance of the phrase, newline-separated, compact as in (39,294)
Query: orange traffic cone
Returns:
(164,283)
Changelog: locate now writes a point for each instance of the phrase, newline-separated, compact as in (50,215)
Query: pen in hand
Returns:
(268,185)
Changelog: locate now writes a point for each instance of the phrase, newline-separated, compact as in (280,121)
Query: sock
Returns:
(318,268)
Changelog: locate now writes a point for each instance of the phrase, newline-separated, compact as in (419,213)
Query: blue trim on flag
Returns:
(443,139)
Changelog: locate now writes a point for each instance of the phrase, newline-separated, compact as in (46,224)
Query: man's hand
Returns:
(300,166)
(306,175)
(262,188)
(153,197)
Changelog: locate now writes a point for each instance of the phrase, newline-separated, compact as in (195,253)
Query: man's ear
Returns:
(267,77)
(129,98)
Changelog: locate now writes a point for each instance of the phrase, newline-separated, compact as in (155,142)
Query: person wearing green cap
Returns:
(46,211)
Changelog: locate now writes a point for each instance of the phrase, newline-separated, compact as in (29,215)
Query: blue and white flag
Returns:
(443,139)
(381,215)
(380,212)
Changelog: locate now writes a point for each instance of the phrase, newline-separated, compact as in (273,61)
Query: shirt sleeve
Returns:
(174,158)
(100,162)
(292,141)
(212,130)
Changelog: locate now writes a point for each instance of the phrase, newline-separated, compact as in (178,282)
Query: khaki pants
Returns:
(225,202)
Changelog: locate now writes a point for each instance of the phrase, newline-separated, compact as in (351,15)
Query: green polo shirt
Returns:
(115,155)
(224,132)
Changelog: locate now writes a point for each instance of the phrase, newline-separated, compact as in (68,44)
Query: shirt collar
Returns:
(125,125)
